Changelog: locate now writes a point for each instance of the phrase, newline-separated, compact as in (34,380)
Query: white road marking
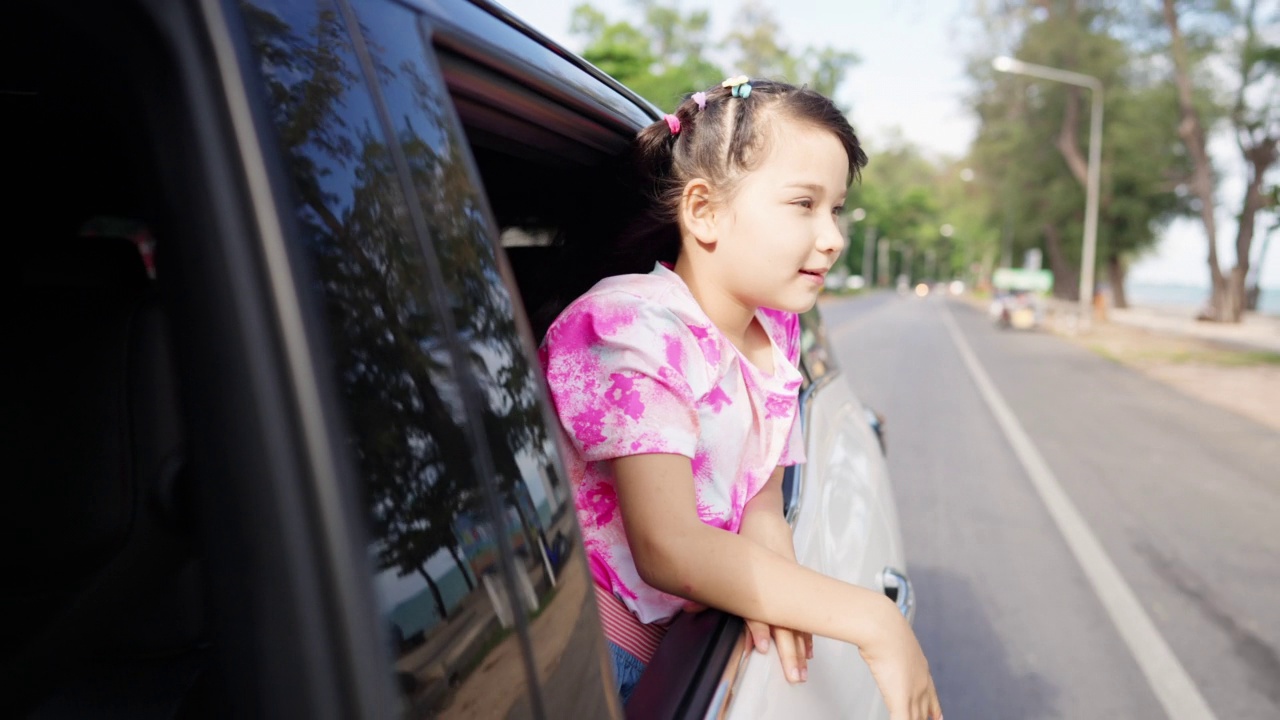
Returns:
(1169,681)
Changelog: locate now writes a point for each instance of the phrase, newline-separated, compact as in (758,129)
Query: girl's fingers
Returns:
(802,657)
(785,641)
(808,645)
(759,635)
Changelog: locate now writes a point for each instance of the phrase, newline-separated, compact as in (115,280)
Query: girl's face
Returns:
(777,236)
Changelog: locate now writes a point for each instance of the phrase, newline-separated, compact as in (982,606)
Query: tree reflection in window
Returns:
(521,450)
(400,391)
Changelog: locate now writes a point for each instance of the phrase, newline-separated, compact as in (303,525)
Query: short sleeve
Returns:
(617,368)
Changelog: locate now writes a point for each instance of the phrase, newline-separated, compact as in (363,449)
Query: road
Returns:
(1183,499)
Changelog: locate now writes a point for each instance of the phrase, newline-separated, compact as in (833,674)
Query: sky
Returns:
(911,82)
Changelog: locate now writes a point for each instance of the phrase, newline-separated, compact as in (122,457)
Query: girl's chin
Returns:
(798,305)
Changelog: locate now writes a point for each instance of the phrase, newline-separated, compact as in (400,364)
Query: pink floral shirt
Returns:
(634,366)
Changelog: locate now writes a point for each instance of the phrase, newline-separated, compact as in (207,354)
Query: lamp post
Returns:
(1017,67)
(868,246)
(946,231)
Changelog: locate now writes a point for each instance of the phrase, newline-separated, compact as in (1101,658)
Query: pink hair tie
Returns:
(673,122)
(701,99)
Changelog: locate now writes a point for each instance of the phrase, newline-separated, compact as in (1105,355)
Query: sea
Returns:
(418,613)
(1192,297)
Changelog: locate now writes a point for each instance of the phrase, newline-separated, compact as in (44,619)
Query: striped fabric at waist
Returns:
(625,630)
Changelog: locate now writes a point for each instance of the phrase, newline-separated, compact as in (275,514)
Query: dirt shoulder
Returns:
(1246,382)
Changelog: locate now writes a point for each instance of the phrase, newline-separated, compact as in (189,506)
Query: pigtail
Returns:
(652,155)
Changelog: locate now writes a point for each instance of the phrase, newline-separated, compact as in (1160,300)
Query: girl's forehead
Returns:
(804,155)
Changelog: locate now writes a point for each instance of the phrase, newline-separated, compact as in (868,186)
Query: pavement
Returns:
(1256,332)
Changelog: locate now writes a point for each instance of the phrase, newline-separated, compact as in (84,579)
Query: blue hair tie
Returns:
(738,86)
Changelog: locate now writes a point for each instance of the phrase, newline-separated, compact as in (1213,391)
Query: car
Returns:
(282,445)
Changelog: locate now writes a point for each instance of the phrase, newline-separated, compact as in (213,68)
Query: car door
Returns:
(478,591)
(845,525)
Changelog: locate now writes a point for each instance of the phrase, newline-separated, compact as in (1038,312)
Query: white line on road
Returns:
(1169,680)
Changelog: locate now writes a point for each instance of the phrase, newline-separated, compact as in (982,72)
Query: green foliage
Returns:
(1037,197)
(668,53)
(759,50)
(662,60)
(912,201)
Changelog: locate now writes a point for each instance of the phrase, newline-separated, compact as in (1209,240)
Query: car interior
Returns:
(103,598)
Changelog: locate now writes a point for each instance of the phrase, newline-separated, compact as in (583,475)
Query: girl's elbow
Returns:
(660,565)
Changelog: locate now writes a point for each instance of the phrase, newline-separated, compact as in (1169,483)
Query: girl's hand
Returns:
(901,671)
(795,648)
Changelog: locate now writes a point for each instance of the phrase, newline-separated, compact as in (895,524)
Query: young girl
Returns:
(677,391)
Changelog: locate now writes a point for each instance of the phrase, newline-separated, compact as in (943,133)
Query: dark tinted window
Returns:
(445,606)
(520,452)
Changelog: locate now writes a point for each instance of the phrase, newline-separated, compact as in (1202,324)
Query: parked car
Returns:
(290,454)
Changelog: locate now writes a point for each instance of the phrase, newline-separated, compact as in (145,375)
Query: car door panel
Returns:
(845,527)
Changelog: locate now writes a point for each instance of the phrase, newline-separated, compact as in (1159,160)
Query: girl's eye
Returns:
(805,203)
(837,210)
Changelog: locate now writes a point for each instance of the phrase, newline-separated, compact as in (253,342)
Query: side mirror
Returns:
(876,421)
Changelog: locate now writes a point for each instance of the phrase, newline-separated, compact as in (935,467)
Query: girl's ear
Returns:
(698,212)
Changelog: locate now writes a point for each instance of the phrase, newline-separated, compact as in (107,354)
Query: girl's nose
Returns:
(832,239)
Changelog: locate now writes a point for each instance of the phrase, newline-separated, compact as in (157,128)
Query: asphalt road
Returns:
(1183,499)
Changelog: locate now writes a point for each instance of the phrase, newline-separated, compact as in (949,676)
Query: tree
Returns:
(662,59)
(1030,149)
(1253,286)
(666,55)
(759,50)
(900,196)
(1255,120)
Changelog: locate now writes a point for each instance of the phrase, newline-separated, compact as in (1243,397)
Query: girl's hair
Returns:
(721,143)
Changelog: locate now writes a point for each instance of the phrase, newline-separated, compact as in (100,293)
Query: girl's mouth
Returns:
(817,276)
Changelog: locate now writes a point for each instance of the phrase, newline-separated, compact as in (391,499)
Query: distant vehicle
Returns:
(1018,301)
(1019,310)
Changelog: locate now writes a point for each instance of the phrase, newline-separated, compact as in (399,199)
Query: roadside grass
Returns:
(1142,349)
(1249,357)
(1202,356)
(1106,352)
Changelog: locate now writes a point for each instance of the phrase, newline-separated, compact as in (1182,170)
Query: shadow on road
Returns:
(970,666)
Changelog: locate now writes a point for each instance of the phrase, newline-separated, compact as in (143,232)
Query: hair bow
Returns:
(673,123)
(700,98)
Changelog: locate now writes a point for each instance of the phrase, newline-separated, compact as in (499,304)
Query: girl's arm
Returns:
(764,522)
(678,554)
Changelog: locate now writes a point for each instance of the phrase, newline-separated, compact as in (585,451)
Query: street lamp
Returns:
(868,246)
(1017,67)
